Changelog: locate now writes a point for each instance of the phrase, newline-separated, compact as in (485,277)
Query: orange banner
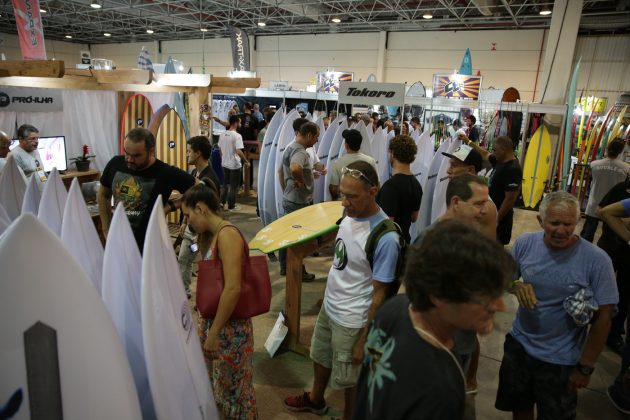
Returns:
(30,29)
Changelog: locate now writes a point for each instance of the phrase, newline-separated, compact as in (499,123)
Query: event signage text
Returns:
(30,100)
(366,93)
(458,86)
(240,49)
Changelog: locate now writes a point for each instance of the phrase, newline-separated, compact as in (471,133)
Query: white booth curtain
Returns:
(88,117)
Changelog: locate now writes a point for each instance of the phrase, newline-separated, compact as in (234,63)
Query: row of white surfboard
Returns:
(117,325)
(429,167)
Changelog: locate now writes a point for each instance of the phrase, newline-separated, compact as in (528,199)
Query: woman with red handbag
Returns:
(228,344)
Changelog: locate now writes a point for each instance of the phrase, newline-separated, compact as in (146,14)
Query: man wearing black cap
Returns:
(353,140)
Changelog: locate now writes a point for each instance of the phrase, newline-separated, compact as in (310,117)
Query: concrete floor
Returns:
(287,373)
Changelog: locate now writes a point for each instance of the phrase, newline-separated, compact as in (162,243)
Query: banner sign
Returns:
(240,49)
(279,85)
(30,100)
(328,81)
(366,93)
(458,86)
(30,30)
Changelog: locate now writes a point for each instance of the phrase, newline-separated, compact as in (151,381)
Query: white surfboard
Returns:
(333,156)
(323,153)
(380,147)
(12,188)
(32,197)
(424,219)
(80,237)
(322,131)
(272,128)
(59,345)
(366,143)
(4,220)
(53,202)
(122,277)
(287,135)
(271,177)
(439,194)
(178,376)
(425,156)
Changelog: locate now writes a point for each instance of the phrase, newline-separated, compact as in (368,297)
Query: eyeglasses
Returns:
(356,174)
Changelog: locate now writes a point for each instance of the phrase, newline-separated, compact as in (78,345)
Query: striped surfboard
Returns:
(137,113)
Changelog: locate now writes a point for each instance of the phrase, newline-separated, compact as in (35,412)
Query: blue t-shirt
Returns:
(548,332)
(626,206)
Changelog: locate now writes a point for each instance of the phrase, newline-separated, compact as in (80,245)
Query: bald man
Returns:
(5,142)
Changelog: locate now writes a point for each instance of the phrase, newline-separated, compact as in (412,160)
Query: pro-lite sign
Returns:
(363,93)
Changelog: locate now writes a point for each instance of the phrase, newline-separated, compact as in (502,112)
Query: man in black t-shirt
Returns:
(453,280)
(473,131)
(249,124)
(136,180)
(619,253)
(400,195)
(505,185)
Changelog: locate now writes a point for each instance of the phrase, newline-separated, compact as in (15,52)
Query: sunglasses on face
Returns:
(356,174)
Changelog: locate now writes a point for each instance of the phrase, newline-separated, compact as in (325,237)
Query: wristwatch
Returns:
(583,369)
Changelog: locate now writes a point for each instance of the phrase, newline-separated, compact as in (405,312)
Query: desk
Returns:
(86,176)
(251,153)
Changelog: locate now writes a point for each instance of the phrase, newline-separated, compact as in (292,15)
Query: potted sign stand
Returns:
(83,162)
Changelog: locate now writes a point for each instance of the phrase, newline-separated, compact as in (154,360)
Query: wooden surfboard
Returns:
(170,142)
(137,113)
(536,167)
(298,226)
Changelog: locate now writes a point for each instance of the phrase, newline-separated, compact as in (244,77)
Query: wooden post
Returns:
(195,99)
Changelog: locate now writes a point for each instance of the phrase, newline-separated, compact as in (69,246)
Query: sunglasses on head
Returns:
(356,174)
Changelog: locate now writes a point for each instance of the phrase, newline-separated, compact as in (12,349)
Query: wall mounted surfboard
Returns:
(170,143)
(59,344)
(536,167)
(137,113)
(178,376)
(466,66)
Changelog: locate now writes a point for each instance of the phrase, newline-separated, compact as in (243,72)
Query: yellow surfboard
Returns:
(299,226)
(170,142)
(536,167)
(137,113)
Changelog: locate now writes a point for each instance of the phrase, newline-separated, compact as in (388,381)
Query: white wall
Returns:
(67,51)
(605,65)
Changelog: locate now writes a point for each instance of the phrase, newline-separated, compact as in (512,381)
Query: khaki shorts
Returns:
(331,347)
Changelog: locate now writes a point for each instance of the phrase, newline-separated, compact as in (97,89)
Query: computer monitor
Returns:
(52,151)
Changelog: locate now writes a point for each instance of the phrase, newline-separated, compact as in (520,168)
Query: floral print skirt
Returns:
(231,368)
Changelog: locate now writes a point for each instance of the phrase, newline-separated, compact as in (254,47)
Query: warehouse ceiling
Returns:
(129,20)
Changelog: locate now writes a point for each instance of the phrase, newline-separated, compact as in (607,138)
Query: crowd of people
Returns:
(412,354)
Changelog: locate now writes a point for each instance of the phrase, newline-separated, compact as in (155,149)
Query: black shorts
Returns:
(504,228)
(525,381)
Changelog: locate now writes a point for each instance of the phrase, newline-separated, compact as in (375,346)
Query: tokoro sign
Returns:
(30,100)
(364,93)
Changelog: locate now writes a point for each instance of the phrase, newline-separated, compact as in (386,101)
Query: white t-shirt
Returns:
(349,287)
(345,160)
(3,162)
(29,162)
(606,174)
(230,142)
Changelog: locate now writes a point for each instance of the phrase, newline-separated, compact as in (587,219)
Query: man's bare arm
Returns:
(104,199)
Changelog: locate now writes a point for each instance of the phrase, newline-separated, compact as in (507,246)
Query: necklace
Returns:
(425,334)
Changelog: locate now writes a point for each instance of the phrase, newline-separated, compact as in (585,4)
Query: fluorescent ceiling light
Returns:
(427,16)
(149,31)
(107,34)
(69,36)
(336,20)
(95,5)
(545,11)
(43,11)
(262,24)
(203,30)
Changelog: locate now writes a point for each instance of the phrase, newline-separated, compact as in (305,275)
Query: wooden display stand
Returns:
(83,177)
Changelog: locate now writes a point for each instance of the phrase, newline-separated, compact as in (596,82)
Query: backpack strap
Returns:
(384,227)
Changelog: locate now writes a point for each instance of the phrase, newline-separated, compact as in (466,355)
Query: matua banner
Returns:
(30,100)
(364,93)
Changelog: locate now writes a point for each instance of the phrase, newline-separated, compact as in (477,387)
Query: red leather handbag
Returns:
(255,296)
